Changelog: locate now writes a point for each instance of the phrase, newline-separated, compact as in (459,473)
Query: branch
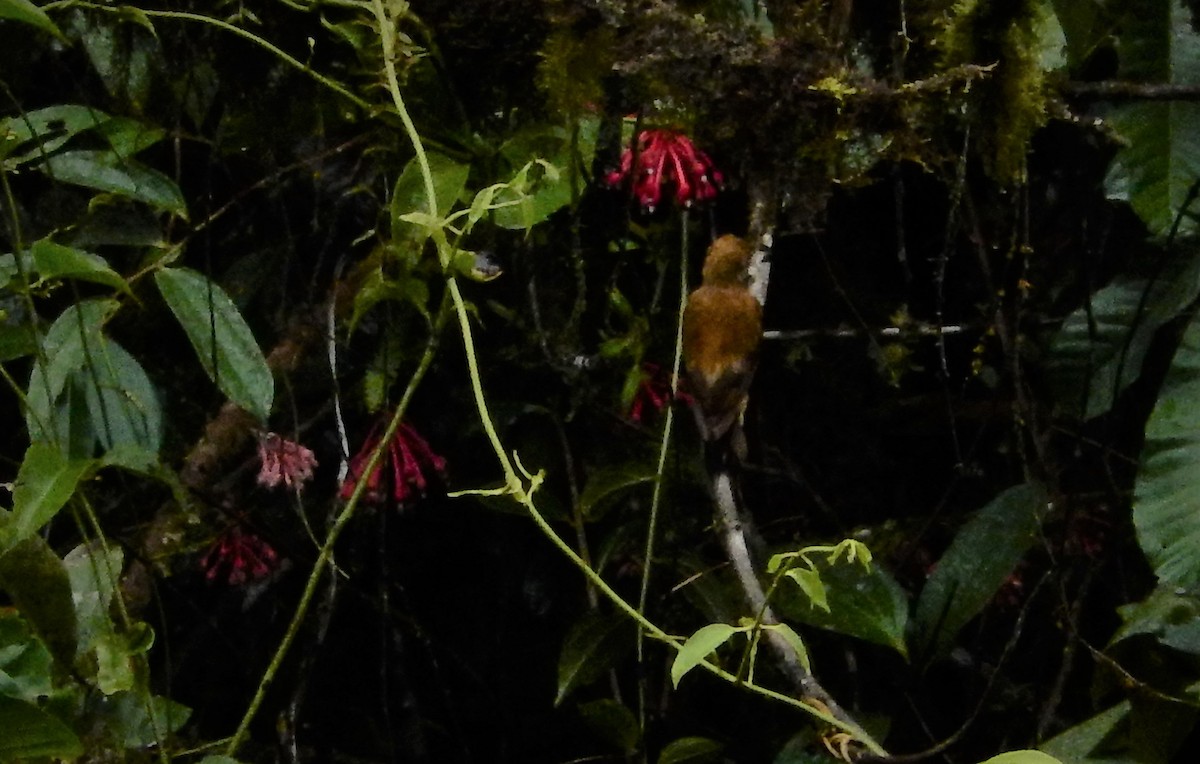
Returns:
(1123,90)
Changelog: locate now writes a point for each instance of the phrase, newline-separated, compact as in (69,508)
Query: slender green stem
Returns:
(664,447)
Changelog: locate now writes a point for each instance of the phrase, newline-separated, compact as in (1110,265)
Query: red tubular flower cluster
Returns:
(670,157)
(237,557)
(653,393)
(409,458)
(284,462)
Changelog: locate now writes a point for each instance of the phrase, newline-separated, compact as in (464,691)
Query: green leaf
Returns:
(1173,618)
(73,336)
(376,288)
(1166,507)
(218,759)
(241,370)
(27,13)
(115,174)
(123,49)
(698,647)
(408,195)
(93,572)
(29,731)
(122,402)
(982,556)
(46,480)
(1023,757)
(35,134)
(867,605)
(141,721)
(613,723)
(592,647)
(128,136)
(1075,745)
(25,663)
(810,583)
(792,638)
(16,341)
(36,581)
(56,261)
(540,156)
(691,750)
(1099,349)
(1161,159)
(607,483)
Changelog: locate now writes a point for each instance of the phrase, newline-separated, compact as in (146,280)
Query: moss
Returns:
(1014,97)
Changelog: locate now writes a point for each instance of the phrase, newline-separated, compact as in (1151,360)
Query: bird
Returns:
(722,329)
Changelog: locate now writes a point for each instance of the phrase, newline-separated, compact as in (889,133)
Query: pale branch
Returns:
(1124,90)
(734,534)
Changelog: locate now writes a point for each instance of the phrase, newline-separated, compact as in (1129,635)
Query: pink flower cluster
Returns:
(237,557)
(284,462)
(665,156)
(409,458)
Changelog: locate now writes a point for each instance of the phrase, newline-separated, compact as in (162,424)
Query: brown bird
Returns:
(722,327)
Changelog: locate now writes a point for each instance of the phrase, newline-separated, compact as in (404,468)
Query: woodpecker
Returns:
(722,328)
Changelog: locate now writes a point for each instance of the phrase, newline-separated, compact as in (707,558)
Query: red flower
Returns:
(653,393)
(284,462)
(237,557)
(410,459)
(664,155)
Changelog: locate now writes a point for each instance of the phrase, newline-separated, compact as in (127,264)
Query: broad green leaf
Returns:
(36,581)
(691,750)
(30,732)
(122,402)
(1161,158)
(115,174)
(867,605)
(613,723)
(1074,745)
(550,172)
(56,261)
(376,288)
(1099,349)
(408,195)
(46,480)
(591,648)
(383,369)
(1166,507)
(93,573)
(698,647)
(1082,29)
(206,313)
(1173,618)
(25,663)
(1023,757)
(73,336)
(218,759)
(122,48)
(28,13)
(607,483)
(128,136)
(982,556)
(141,721)
(35,134)
(16,341)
